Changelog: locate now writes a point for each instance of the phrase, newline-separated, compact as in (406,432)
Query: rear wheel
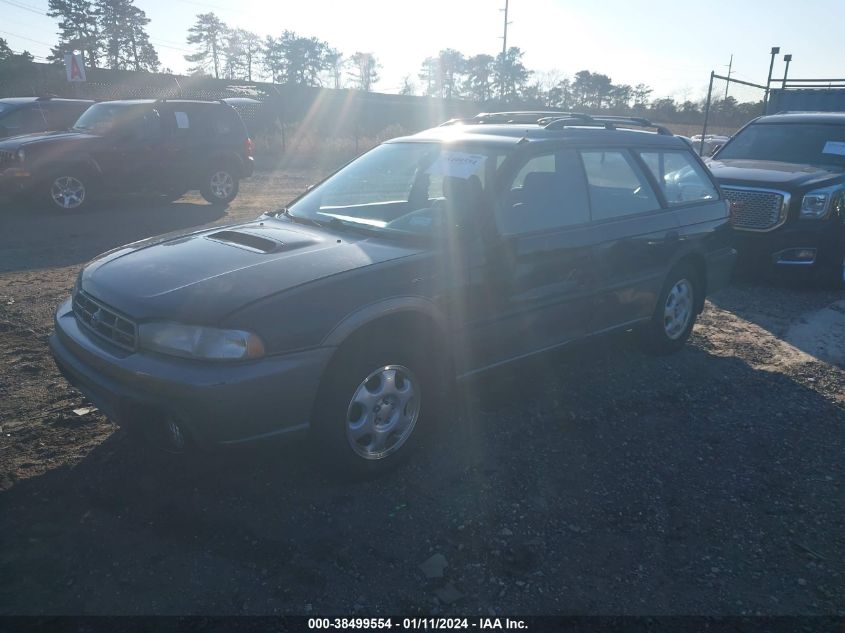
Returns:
(220,185)
(674,317)
(369,416)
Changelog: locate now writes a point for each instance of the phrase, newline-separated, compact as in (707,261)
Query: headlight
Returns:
(192,341)
(21,154)
(815,204)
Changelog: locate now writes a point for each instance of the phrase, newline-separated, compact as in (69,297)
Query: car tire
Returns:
(220,185)
(675,313)
(374,408)
(68,190)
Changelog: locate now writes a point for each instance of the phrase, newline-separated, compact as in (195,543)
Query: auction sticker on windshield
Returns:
(458,164)
(834,147)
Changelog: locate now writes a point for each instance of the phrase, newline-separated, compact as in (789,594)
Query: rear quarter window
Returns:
(680,176)
(616,184)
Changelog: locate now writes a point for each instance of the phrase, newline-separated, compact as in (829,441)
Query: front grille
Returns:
(104,322)
(756,209)
(7,158)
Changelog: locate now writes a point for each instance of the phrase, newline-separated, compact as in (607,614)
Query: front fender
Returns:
(393,306)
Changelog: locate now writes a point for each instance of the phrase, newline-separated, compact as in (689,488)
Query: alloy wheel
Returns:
(67,192)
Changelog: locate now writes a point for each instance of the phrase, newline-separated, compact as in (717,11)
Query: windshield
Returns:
(803,143)
(102,118)
(412,188)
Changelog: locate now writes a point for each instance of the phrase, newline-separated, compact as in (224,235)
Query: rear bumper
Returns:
(249,167)
(216,403)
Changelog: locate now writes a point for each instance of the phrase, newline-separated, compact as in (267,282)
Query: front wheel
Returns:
(674,317)
(68,190)
(220,186)
(369,414)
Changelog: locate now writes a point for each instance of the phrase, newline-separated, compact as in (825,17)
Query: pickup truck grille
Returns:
(104,322)
(7,158)
(756,209)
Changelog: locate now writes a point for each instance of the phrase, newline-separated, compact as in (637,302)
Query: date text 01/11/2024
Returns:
(417,623)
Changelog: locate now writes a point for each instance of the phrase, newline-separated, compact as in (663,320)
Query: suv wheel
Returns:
(369,414)
(675,314)
(68,190)
(220,186)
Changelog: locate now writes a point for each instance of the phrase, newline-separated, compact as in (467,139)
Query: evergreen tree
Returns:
(78,30)
(207,34)
(479,71)
(126,42)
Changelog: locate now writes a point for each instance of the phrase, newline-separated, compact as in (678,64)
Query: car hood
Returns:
(201,277)
(44,138)
(789,176)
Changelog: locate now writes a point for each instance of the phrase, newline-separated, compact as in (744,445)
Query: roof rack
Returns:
(519,116)
(556,120)
(606,121)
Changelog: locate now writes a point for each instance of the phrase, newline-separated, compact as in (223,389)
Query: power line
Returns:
(25,7)
(23,37)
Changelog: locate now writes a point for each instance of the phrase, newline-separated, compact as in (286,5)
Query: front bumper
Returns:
(217,403)
(811,244)
(14,180)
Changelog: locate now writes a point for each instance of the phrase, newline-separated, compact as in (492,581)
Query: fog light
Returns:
(796,256)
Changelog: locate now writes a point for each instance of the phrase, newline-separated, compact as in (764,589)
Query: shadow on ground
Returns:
(594,481)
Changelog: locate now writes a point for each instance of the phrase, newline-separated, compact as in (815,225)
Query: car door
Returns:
(638,236)
(132,154)
(532,285)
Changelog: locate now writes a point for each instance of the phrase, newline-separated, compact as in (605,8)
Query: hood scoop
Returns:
(248,241)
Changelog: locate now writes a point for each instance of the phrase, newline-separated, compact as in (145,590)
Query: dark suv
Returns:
(431,257)
(26,115)
(784,175)
(159,147)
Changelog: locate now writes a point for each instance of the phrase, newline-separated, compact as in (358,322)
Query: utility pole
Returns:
(727,85)
(504,53)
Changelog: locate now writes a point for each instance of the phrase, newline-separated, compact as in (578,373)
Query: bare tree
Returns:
(364,70)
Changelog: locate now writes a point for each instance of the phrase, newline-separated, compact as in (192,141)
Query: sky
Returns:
(670,45)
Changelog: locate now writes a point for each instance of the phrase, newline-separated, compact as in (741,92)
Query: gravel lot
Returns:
(595,480)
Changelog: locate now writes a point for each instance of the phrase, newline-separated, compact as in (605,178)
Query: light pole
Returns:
(775,51)
(787,59)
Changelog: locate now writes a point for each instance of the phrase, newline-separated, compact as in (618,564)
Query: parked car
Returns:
(26,115)
(430,258)
(165,147)
(712,142)
(784,175)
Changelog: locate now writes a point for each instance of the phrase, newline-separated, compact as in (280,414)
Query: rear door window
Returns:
(547,192)
(24,120)
(617,186)
(680,177)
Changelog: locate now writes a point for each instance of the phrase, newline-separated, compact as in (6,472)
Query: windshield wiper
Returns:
(296,218)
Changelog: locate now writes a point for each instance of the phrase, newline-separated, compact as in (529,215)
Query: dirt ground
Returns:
(594,481)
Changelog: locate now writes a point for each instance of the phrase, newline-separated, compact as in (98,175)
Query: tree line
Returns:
(113,34)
